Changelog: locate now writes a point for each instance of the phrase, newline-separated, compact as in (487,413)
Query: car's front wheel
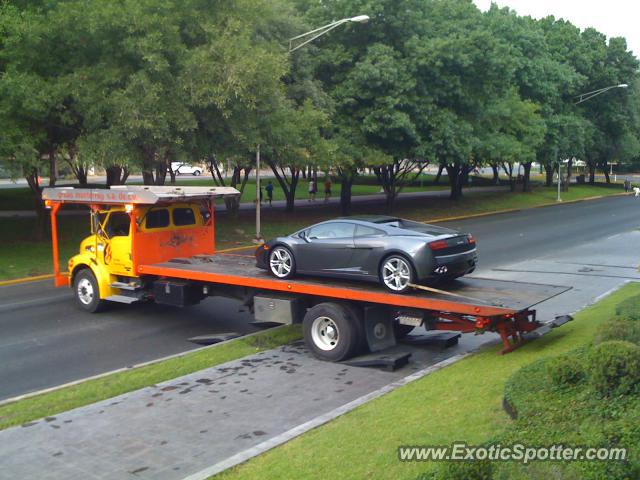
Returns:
(196,173)
(282,264)
(396,274)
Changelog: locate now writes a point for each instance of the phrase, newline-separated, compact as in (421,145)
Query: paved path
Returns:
(194,425)
(304,203)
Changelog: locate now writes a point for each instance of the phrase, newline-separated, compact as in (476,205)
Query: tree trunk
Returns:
(548,170)
(42,225)
(527,177)
(53,168)
(453,171)
(592,173)
(439,174)
(496,173)
(117,175)
(345,194)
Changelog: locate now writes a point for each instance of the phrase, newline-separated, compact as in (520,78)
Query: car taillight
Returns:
(438,245)
(471,239)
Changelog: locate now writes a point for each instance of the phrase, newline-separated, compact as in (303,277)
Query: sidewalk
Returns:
(302,202)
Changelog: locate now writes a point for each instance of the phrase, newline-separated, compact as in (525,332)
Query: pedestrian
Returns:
(313,188)
(269,189)
(327,189)
(627,184)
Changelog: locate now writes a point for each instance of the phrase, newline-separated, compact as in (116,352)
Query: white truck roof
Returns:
(138,194)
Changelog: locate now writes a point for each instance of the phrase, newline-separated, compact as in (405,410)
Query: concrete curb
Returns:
(319,420)
(25,396)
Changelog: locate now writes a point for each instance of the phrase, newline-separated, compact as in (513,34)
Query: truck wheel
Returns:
(86,291)
(331,332)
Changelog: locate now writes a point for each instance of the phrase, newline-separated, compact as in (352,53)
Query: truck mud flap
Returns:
(387,361)
(441,339)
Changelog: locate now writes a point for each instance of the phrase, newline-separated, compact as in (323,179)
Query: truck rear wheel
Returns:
(87,292)
(331,331)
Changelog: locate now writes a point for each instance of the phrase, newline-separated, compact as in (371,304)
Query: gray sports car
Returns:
(389,250)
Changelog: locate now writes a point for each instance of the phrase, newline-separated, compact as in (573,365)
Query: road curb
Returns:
(17,281)
(26,396)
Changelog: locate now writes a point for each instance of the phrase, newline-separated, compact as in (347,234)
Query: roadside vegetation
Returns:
(23,255)
(422,84)
(463,402)
(109,386)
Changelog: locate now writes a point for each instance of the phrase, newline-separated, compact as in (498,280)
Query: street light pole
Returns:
(583,97)
(318,32)
(259,238)
(559,170)
(315,33)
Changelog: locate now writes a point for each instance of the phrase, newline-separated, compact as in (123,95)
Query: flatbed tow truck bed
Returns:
(176,263)
(474,295)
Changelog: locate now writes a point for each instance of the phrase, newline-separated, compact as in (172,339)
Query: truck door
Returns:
(118,252)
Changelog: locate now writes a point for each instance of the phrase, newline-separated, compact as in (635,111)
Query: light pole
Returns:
(318,32)
(313,34)
(583,97)
(588,95)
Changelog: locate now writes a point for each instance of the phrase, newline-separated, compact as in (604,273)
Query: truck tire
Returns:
(331,331)
(86,291)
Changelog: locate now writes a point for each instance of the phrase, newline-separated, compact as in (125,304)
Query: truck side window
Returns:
(157,218)
(118,224)
(183,216)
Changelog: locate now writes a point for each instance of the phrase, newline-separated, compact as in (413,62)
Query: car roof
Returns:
(370,218)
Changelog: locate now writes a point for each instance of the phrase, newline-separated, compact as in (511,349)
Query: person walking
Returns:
(327,189)
(313,188)
(269,189)
(627,185)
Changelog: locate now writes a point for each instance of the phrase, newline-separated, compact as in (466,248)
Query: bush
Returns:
(614,368)
(468,470)
(619,328)
(629,308)
(566,370)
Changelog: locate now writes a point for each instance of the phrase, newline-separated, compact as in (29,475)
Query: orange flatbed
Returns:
(478,297)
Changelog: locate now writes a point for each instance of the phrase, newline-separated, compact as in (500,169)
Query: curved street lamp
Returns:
(318,32)
(583,97)
(315,33)
(588,95)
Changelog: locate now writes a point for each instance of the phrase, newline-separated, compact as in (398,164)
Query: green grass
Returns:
(21,255)
(110,386)
(459,403)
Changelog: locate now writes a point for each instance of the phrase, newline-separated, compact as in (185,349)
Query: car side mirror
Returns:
(303,235)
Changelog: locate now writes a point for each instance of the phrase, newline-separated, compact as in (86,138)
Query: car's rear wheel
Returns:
(196,173)
(396,273)
(282,264)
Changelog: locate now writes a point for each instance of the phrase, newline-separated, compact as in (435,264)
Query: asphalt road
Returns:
(46,341)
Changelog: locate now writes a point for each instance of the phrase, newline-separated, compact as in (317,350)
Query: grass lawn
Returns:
(461,402)
(21,256)
(118,383)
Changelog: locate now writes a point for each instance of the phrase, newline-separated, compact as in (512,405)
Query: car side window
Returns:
(332,230)
(183,217)
(118,224)
(363,231)
(157,218)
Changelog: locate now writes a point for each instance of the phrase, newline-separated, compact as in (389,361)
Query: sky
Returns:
(614,18)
